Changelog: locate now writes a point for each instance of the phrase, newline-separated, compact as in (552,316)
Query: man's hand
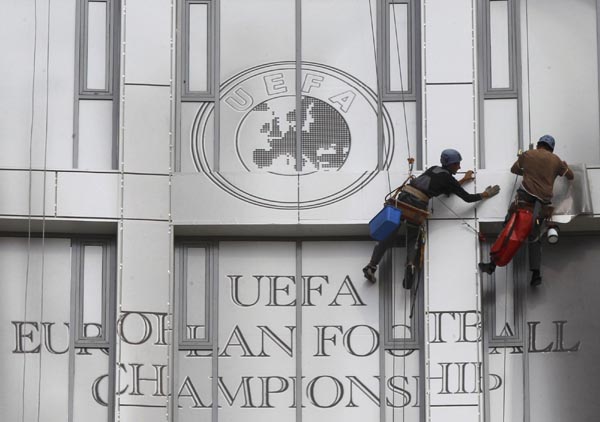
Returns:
(490,191)
(569,173)
(469,176)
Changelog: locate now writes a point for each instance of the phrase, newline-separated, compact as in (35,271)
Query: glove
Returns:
(490,191)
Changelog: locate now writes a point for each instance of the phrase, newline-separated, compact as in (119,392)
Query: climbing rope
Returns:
(44,208)
(29,216)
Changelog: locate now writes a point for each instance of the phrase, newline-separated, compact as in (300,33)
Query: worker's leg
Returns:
(535,257)
(378,251)
(413,249)
(535,247)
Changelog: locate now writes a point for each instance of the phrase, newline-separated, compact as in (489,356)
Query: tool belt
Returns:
(546,210)
(410,213)
(416,193)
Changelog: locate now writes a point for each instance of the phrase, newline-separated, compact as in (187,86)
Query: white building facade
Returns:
(186,187)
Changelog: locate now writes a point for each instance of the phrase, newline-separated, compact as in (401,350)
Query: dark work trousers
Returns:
(413,249)
(412,234)
(534,241)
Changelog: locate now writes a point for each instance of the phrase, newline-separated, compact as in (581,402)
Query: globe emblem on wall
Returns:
(325,136)
(256,158)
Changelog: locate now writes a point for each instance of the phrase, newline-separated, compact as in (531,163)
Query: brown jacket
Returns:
(539,167)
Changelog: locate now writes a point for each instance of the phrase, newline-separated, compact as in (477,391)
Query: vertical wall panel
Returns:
(247,272)
(35,281)
(454,343)
(564,308)
(95,145)
(90,386)
(148,31)
(257,110)
(147,128)
(16,39)
(61,84)
(196,288)
(398,47)
(334,138)
(97,32)
(92,285)
(499,40)
(450,117)
(448,33)
(355,342)
(143,332)
(563,76)
(19,105)
(198,47)
(501,133)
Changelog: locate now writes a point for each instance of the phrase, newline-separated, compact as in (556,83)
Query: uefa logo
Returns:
(258,132)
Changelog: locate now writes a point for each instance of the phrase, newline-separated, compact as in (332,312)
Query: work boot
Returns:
(487,267)
(409,276)
(536,278)
(369,272)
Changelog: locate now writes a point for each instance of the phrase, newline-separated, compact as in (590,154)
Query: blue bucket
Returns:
(385,222)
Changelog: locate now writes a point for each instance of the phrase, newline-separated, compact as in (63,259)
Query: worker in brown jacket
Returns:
(539,168)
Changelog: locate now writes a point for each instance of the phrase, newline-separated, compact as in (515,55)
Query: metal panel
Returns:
(399,59)
(195,386)
(20,200)
(143,318)
(453,318)
(61,89)
(97,47)
(188,136)
(499,44)
(563,324)
(563,77)
(194,276)
(191,192)
(199,49)
(325,41)
(16,35)
(248,271)
(146,197)
(403,148)
(35,307)
(359,206)
(501,133)
(450,117)
(495,208)
(87,194)
(451,273)
(594,178)
(146,268)
(335,310)
(247,34)
(37,92)
(148,35)
(92,285)
(449,41)
(91,386)
(95,143)
(147,129)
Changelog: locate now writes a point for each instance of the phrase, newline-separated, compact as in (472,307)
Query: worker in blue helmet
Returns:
(436,180)
(539,168)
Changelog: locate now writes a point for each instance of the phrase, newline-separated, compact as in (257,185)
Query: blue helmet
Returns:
(548,140)
(450,156)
